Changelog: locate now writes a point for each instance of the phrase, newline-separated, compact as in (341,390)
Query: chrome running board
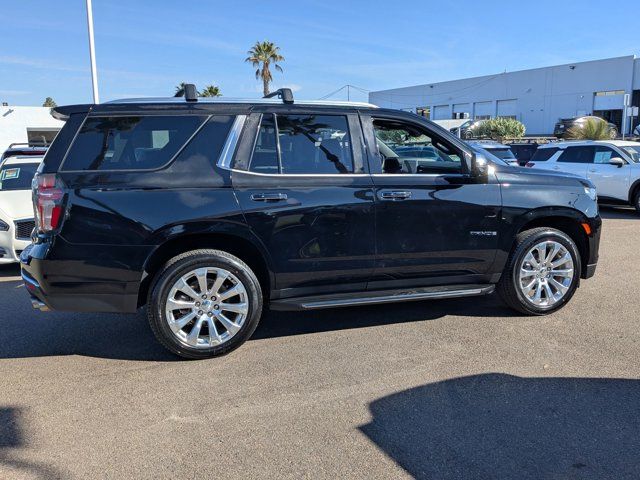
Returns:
(378,297)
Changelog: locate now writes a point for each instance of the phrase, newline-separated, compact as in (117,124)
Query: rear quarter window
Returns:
(130,142)
(544,154)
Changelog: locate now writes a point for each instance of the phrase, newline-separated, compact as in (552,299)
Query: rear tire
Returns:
(542,273)
(204,303)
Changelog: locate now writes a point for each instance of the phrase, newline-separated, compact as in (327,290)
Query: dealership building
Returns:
(537,97)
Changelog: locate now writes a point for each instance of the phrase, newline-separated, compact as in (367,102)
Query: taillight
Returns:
(48,194)
(529,164)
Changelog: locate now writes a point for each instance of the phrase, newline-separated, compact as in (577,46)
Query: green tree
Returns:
(48,102)
(211,91)
(499,128)
(591,129)
(262,55)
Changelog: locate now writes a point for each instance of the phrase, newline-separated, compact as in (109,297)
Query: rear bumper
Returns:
(61,285)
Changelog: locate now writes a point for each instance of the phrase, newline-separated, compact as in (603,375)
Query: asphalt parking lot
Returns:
(447,389)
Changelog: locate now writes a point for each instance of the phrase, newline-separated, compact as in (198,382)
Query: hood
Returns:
(539,176)
(16,204)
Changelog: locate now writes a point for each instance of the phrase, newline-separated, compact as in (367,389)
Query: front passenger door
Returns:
(435,222)
(611,181)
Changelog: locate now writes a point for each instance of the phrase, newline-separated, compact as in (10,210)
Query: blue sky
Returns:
(144,47)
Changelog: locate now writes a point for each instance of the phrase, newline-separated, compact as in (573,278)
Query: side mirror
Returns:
(479,166)
(617,161)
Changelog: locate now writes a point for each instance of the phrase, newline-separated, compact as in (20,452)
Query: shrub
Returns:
(499,128)
(590,129)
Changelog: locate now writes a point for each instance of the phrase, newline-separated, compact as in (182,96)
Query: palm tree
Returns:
(592,129)
(211,91)
(48,102)
(262,55)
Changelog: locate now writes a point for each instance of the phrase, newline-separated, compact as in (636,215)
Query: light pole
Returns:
(92,53)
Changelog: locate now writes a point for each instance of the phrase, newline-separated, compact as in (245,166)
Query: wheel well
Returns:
(238,246)
(632,192)
(569,226)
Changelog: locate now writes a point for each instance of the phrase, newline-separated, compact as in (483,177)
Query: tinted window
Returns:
(543,154)
(17,176)
(129,143)
(314,144)
(577,155)
(408,148)
(303,144)
(265,153)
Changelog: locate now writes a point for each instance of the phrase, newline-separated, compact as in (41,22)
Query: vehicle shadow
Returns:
(618,212)
(281,324)
(12,440)
(503,427)
(29,333)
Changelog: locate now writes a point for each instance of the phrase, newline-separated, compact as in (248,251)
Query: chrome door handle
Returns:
(395,195)
(556,168)
(593,170)
(268,197)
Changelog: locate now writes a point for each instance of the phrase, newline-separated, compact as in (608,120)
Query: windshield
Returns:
(490,156)
(503,153)
(17,176)
(634,153)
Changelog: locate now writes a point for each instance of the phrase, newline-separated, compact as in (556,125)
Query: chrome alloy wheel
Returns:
(206,307)
(546,273)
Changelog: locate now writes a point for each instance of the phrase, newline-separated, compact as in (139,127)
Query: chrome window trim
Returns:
(231,143)
(336,175)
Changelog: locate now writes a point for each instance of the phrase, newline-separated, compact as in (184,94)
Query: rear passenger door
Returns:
(575,160)
(300,180)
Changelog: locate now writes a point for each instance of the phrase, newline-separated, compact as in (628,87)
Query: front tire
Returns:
(542,273)
(204,303)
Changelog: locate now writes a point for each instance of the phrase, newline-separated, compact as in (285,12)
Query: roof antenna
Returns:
(284,93)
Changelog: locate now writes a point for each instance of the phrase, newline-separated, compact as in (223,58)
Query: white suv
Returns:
(16,208)
(612,165)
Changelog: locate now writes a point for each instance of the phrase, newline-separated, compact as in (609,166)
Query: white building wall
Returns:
(15,122)
(539,96)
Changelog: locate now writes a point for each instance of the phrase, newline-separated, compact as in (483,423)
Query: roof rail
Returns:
(284,93)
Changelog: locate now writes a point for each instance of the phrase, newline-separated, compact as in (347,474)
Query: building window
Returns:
(512,117)
(609,93)
(483,117)
(460,115)
(423,112)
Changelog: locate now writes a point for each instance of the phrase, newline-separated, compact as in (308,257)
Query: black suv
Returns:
(208,210)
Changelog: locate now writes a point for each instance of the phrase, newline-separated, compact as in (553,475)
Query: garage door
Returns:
(441,112)
(483,110)
(507,108)
(462,110)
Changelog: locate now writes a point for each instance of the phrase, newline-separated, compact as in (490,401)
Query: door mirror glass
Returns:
(617,161)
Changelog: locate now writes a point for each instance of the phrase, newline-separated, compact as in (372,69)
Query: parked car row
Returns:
(16,208)
(613,166)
